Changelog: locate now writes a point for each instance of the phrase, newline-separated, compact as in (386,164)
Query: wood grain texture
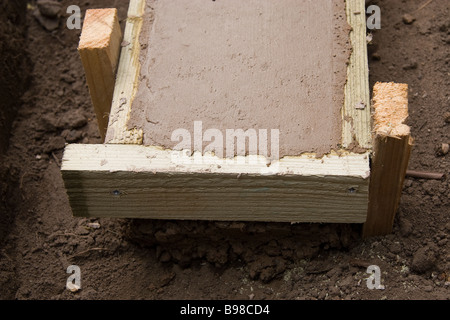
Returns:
(356,125)
(392,148)
(127,80)
(144,182)
(124,179)
(99,50)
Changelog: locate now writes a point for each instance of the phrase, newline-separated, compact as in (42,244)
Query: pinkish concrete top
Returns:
(255,64)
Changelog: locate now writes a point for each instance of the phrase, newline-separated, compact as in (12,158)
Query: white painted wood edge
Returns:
(127,80)
(138,158)
(356,121)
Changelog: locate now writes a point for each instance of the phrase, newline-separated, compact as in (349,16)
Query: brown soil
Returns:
(131,259)
(14,65)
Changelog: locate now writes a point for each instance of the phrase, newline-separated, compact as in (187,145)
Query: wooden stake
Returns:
(391,150)
(99,49)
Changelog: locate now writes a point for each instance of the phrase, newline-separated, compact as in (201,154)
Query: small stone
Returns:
(94,225)
(408,19)
(48,23)
(447,117)
(376,56)
(442,150)
(49,9)
(72,287)
(410,66)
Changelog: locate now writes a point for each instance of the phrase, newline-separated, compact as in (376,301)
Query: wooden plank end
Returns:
(392,148)
(98,27)
(99,49)
(390,105)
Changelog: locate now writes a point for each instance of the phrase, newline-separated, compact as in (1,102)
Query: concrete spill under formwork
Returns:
(255,64)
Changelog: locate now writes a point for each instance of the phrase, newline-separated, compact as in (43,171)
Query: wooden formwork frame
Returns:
(123,178)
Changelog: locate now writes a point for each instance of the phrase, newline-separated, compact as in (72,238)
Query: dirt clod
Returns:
(54,144)
(50,24)
(424,260)
(410,66)
(74,120)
